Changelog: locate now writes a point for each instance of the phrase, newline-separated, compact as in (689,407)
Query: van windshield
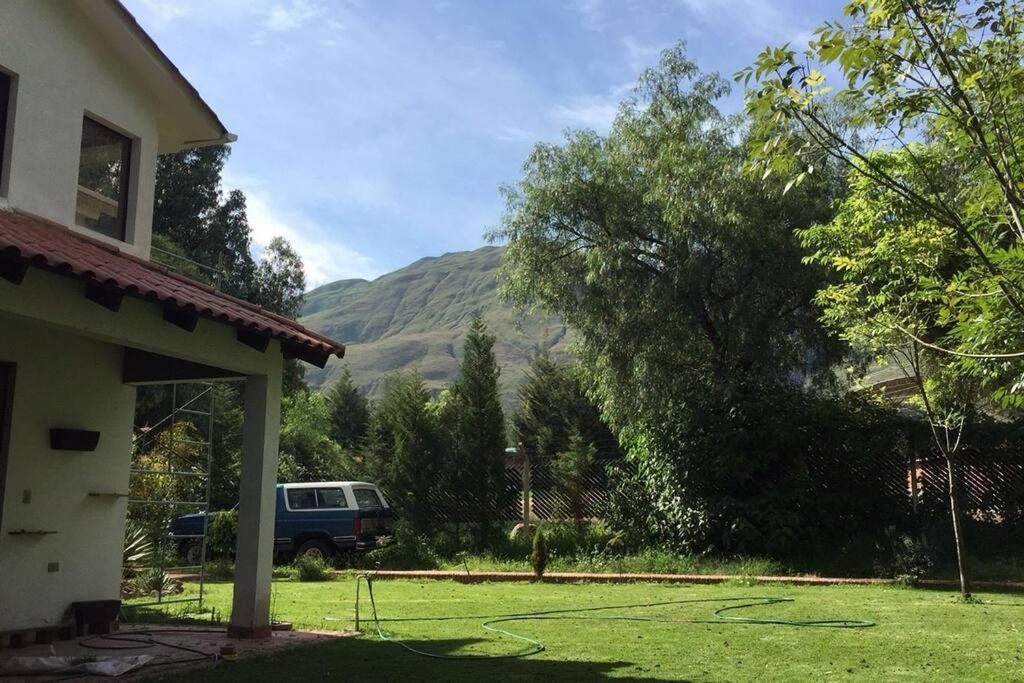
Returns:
(367,498)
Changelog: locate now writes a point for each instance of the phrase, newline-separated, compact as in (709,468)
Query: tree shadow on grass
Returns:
(366,659)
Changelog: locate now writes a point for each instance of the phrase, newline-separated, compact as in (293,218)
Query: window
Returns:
(103,180)
(331,498)
(367,498)
(301,499)
(6,85)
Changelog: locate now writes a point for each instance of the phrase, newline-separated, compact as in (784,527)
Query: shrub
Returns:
(539,554)
(220,569)
(569,469)
(911,559)
(156,581)
(312,568)
(403,550)
(222,534)
(775,471)
(138,548)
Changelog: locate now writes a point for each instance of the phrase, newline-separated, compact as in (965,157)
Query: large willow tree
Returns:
(683,278)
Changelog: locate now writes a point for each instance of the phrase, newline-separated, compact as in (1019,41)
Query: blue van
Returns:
(317,519)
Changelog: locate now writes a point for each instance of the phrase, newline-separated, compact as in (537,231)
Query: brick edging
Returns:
(581,577)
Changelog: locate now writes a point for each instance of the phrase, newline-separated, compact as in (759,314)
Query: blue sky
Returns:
(375,132)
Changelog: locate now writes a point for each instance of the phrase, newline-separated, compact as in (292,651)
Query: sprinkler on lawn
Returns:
(368,578)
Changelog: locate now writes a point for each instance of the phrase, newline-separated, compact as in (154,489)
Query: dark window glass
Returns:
(331,498)
(103,180)
(367,498)
(5,103)
(302,499)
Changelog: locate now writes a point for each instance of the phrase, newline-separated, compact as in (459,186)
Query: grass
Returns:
(919,636)
(646,562)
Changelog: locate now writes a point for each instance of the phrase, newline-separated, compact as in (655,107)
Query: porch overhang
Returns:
(110,276)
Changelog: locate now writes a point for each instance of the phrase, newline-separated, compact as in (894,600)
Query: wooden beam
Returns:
(106,297)
(13,269)
(253,339)
(184,318)
(143,367)
(312,356)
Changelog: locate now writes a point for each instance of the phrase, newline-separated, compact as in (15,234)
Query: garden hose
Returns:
(580,614)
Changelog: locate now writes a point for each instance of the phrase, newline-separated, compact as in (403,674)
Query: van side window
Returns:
(301,499)
(331,498)
(367,498)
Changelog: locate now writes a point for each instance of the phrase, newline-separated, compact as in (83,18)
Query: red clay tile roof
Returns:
(56,248)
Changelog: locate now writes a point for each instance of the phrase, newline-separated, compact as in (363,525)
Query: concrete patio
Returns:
(169,648)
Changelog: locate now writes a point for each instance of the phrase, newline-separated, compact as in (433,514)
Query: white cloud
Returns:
(597,113)
(324,256)
(290,16)
(514,134)
(159,13)
(640,56)
(754,17)
(593,14)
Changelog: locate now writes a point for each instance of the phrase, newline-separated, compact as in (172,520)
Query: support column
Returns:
(250,607)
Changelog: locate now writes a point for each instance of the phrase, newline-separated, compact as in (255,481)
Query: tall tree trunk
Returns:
(958,531)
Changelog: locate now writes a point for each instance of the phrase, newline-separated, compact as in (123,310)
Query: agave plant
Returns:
(155,582)
(138,548)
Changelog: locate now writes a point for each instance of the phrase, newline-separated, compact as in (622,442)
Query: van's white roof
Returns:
(314,484)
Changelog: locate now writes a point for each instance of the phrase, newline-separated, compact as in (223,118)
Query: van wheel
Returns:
(191,552)
(315,548)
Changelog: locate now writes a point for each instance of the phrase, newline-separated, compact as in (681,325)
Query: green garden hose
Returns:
(579,614)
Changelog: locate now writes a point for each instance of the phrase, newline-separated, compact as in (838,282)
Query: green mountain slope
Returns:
(418,316)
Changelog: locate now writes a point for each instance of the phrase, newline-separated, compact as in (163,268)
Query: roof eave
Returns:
(222,136)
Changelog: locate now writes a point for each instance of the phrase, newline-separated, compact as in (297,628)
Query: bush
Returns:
(312,568)
(222,534)
(774,472)
(220,569)
(911,559)
(155,581)
(539,554)
(404,550)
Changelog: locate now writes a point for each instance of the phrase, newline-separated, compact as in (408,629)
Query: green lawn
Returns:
(920,635)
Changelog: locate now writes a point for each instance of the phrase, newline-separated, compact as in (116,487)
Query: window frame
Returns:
(8,105)
(125,200)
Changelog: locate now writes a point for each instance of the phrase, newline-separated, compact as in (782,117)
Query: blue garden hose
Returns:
(580,614)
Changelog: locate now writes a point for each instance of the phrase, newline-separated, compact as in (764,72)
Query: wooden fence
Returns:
(992,487)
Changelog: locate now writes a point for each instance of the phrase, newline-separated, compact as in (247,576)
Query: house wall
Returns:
(62,380)
(69,355)
(64,69)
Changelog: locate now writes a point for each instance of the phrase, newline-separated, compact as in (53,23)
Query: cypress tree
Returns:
(350,411)
(477,429)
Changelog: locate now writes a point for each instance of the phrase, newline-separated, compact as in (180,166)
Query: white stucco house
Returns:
(87,102)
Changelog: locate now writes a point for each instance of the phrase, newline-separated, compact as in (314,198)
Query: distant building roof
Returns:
(27,240)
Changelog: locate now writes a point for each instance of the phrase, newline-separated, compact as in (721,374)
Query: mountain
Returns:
(418,316)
